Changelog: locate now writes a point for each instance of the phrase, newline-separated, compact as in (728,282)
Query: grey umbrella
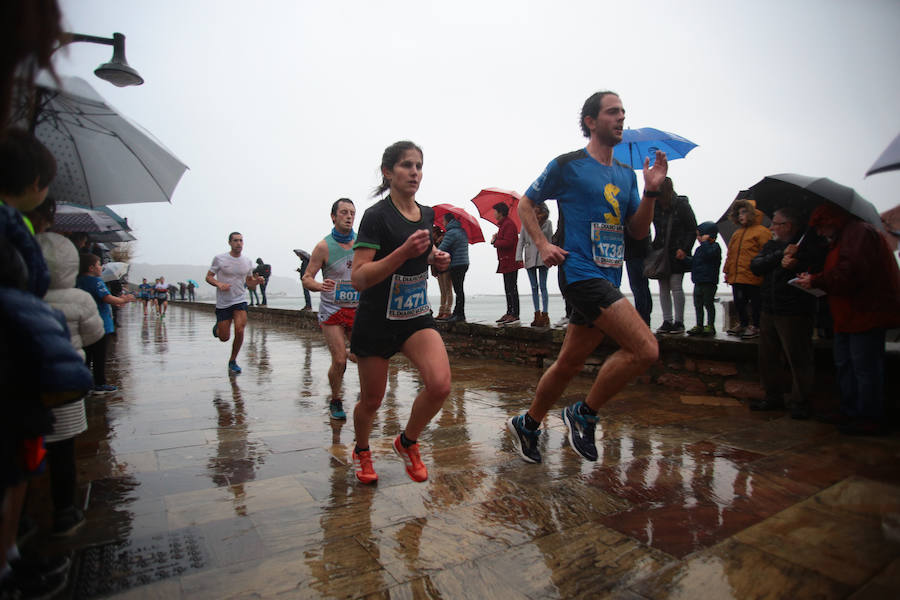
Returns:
(103,157)
(889,159)
(111,237)
(71,218)
(806,193)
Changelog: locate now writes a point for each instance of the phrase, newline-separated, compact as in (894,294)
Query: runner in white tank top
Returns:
(337,299)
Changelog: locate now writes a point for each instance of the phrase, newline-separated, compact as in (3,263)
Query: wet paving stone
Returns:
(687,500)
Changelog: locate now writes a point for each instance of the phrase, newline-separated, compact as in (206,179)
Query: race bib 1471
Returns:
(409,297)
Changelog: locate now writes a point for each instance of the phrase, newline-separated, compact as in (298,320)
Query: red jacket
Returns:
(505,243)
(862,280)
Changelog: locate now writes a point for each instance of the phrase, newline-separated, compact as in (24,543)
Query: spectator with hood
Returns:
(862,281)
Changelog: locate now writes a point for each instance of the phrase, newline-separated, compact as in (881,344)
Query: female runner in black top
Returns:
(390,269)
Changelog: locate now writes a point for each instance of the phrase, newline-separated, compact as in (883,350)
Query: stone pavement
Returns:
(201,485)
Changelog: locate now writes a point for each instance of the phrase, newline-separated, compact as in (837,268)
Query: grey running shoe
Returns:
(581,431)
(524,440)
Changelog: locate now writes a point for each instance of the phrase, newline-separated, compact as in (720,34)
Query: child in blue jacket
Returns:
(705,275)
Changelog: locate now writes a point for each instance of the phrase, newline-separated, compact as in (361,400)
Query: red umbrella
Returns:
(487,198)
(468,222)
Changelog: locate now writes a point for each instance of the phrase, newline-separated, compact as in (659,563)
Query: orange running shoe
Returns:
(366,472)
(415,468)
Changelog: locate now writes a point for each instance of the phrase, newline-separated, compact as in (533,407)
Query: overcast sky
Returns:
(281,107)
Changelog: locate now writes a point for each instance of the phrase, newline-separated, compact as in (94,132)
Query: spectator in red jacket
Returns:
(862,281)
(505,241)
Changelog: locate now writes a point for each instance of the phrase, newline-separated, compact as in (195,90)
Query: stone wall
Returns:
(701,366)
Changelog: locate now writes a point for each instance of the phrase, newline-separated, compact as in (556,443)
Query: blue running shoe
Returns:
(581,431)
(337,410)
(233,367)
(524,440)
(105,389)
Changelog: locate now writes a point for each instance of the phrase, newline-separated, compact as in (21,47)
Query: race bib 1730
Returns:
(408,298)
(608,243)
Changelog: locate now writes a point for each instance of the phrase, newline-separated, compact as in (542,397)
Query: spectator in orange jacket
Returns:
(744,245)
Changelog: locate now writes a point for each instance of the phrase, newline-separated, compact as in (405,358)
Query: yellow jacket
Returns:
(744,245)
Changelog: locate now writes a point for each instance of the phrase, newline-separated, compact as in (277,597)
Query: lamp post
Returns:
(117,71)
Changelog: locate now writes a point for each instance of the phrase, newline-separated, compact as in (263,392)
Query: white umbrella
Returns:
(71,218)
(103,157)
(113,271)
(889,159)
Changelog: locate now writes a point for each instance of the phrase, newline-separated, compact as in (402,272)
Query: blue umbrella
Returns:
(638,144)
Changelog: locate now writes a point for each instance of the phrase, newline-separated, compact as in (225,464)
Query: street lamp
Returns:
(117,71)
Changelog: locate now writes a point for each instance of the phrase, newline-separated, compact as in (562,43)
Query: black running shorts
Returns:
(589,298)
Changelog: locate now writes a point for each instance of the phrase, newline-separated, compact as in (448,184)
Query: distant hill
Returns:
(175,273)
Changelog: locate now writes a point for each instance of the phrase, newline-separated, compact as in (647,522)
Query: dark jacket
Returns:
(706,262)
(456,244)
(14,230)
(505,243)
(36,355)
(36,358)
(778,296)
(636,248)
(683,234)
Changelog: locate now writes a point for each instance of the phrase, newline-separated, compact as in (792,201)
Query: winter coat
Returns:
(744,245)
(85,324)
(862,280)
(456,244)
(683,233)
(36,358)
(505,243)
(636,248)
(777,295)
(526,249)
(14,230)
(706,262)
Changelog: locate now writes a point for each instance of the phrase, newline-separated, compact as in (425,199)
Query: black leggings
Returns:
(704,298)
(457,276)
(511,286)
(95,355)
(61,460)
(745,294)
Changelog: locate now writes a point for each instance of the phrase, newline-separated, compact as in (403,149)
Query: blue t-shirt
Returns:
(98,291)
(595,201)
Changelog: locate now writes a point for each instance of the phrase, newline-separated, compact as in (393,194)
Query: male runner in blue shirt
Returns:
(598,202)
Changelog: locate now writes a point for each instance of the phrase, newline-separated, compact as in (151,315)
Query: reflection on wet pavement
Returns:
(685,501)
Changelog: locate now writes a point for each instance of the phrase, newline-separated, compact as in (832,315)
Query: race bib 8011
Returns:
(345,294)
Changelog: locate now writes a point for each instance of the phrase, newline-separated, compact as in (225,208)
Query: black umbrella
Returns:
(806,193)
